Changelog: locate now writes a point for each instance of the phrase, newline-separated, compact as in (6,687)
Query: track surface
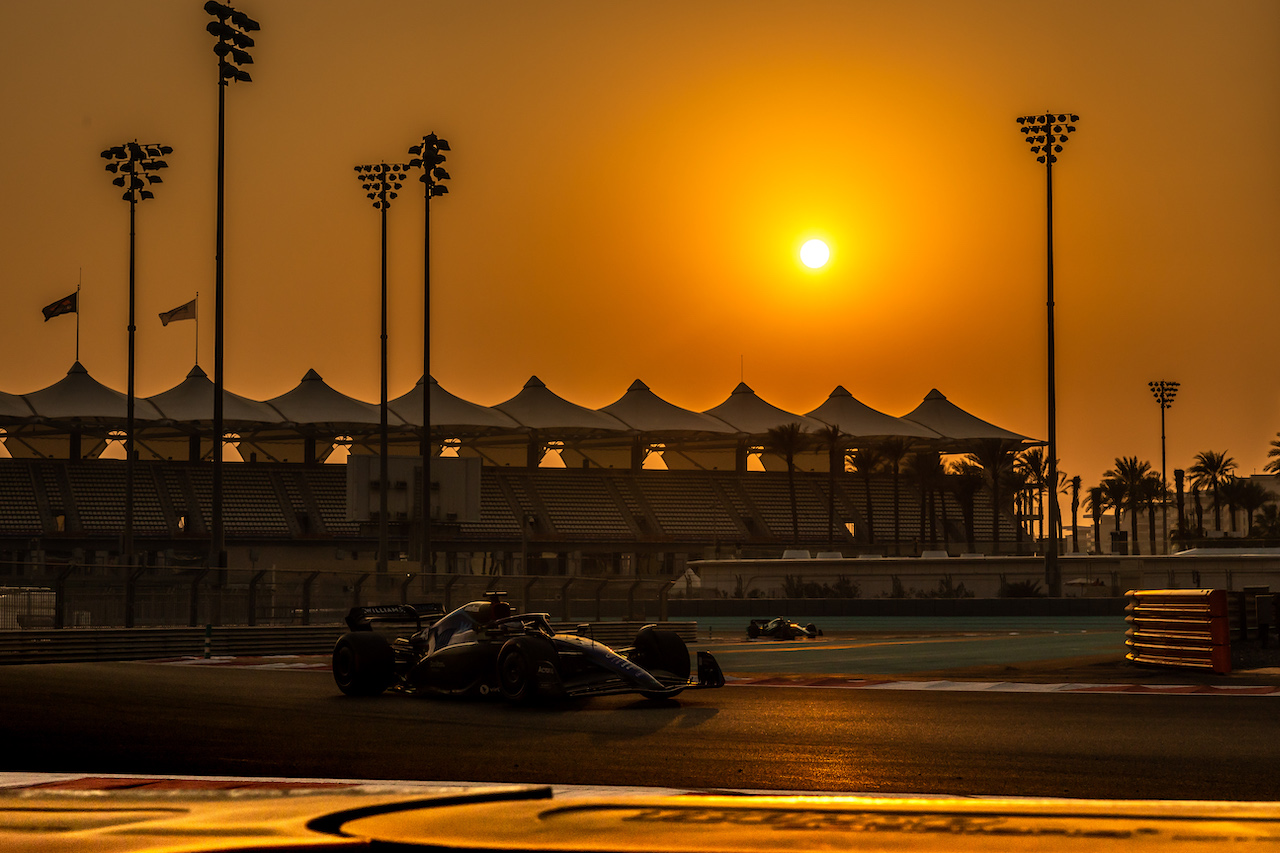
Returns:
(155,719)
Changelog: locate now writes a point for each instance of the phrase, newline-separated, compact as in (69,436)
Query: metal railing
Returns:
(69,645)
(70,596)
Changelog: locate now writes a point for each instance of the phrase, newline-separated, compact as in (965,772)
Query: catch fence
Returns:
(69,596)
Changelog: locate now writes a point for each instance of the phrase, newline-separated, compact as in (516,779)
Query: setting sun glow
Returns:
(814,254)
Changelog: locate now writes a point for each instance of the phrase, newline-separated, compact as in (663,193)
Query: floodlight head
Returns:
(218,10)
(244,22)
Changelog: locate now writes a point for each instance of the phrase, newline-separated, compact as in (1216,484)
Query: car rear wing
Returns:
(362,618)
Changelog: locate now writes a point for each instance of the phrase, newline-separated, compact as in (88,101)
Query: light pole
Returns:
(231,28)
(1045,134)
(134,165)
(380,183)
(428,156)
(1164,392)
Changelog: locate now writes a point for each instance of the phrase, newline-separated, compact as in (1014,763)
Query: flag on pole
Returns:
(182,312)
(65,305)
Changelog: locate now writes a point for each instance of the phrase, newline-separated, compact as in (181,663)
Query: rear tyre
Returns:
(363,663)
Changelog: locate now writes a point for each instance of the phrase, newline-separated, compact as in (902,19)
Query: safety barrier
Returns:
(1181,627)
(71,645)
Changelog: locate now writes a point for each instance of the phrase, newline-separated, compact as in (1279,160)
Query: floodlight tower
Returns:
(381,182)
(231,28)
(1046,134)
(428,155)
(134,166)
(1164,392)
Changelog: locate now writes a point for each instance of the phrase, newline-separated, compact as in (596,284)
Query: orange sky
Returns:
(632,183)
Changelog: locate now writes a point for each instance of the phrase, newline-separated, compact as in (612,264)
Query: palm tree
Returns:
(1094,502)
(928,469)
(1273,467)
(1075,513)
(835,442)
(995,457)
(1268,524)
(1229,491)
(1152,488)
(1212,469)
(1033,466)
(1253,496)
(1133,474)
(1114,492)
(1198,507)
(894,450)
(866,461)
(967,480)
(789,441)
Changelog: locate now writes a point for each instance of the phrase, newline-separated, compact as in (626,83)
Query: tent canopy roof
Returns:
(191,401)
(643,410)
(950,421)
(857,419)
(314,402)
(537,407)
(78,396)
(747,413)
(450,413)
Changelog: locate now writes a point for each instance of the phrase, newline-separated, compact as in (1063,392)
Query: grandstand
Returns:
(647,485)
(556,519)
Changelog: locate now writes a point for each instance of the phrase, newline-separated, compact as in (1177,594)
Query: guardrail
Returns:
(1181,627)
(77,645)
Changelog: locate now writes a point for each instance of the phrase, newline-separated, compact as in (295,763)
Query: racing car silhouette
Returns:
(484,648)
(781,628)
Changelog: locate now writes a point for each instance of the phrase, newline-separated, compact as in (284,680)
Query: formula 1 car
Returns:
(781,629)
(483,648)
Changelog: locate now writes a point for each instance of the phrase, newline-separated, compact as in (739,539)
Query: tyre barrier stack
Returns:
(1181,628)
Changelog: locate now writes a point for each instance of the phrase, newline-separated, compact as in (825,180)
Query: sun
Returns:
(814,254)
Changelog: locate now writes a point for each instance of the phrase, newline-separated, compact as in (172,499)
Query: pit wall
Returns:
(960,578)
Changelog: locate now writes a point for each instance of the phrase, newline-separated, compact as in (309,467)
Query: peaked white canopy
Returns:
(537,407)
(859,420)
(191,401)
(315,403)
(14,409)
(450,413)
(950,421)
(746,412)
(643,410)
(79,397)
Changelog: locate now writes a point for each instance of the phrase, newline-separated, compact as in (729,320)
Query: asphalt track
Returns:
(289,720)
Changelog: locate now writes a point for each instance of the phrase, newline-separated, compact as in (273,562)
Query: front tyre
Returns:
(363,663)
(518,669)
(661,650)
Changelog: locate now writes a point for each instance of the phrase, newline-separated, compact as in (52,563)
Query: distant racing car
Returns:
(781,629)
(484,648)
